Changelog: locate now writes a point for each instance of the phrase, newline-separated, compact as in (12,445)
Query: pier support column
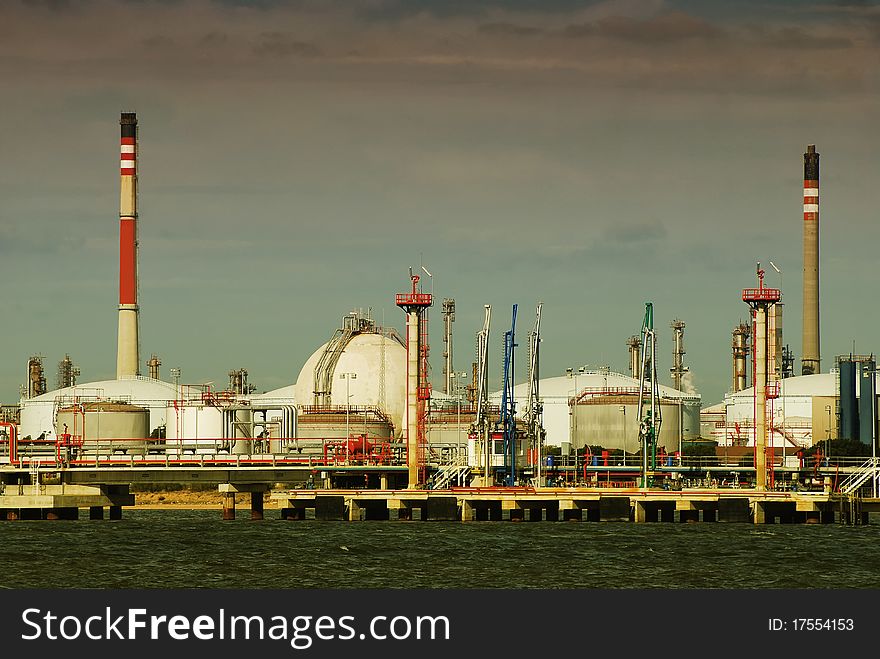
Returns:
(355,512)
(228,506)
(383,482)
(468,511)
(115,512)
(641,513)
(256,506)
(96,512)
(759,514)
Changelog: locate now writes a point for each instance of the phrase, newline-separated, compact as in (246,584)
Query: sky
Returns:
(298,158)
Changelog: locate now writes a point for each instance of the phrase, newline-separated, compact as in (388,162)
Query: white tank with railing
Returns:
(104,427)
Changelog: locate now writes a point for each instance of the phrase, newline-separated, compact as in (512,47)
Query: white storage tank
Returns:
(106,426)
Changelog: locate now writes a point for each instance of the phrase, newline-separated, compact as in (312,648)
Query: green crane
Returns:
(649,392)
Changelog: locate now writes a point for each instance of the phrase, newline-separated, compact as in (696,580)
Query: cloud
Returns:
(53,5)
(282,45)
(665,28)
(158,42)
(510,29)
(797,38)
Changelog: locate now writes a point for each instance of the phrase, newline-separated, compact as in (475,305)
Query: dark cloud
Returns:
(510,29)
(401,9)
(54,5)
(797,38)
(280,44)
(157,42)
(214,39)
(163,3)
(665,28)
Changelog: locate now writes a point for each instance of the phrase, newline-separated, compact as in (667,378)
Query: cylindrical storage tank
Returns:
(867,403)
(241,420)
(106,427)
(612,422)
(332,425)
(849,410)
(690,420)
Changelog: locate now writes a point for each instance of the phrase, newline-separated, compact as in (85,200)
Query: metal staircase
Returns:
(454,473)
(869,470)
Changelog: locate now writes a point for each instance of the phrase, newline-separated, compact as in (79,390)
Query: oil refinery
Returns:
(364,416)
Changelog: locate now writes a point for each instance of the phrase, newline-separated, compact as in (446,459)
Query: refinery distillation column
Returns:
(761,300)
(418,391)
(811,358)
(127,358)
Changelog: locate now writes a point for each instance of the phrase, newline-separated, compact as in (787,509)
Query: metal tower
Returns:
(634,345)
(418,389)
(534,407)
(508,403)
(761,301)
(448,372)
(649,415)
(678,368)
(481,377)
(741,334)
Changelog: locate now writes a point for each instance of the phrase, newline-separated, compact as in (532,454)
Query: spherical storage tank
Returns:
(363,356)
(105,425)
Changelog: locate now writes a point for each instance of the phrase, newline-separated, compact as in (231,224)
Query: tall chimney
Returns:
(127,358)
(810,362)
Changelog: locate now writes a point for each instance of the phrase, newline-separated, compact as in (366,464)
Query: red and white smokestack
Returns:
(810,361)
(127,357)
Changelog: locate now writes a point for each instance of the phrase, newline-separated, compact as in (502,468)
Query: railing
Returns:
(446,474)
(870,469)
(73,451)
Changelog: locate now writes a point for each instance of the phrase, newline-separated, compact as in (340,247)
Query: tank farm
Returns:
(363,433)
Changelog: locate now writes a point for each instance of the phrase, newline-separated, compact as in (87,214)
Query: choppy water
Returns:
(192,549)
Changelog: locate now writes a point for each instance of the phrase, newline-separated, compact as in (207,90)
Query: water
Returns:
(195,549)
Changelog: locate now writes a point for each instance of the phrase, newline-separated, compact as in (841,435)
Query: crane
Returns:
(649,415)
(507,422)
(534,407)
(481,422)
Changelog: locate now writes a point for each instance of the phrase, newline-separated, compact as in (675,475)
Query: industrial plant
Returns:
(363,417)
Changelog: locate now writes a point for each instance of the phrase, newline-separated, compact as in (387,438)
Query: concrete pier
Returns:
(62,502)
(575,504)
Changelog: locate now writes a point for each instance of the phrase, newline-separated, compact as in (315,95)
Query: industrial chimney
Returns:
(810,361)
(127,358)
(741,335)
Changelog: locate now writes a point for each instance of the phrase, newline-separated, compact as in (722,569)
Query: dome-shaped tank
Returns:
(105,426)
(362,356)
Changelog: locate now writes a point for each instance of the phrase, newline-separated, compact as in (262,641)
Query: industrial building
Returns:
(365,396)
